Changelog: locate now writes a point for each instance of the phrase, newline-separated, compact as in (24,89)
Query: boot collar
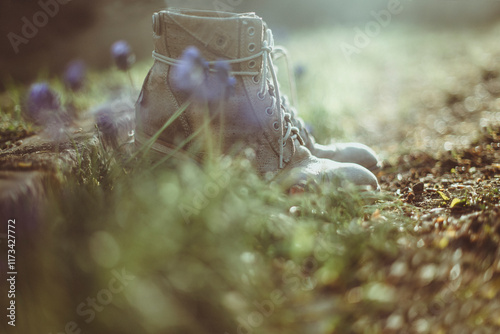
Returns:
(265,57)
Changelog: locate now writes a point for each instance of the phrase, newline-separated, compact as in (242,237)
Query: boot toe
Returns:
(352,173)
(350,152)
(321,171)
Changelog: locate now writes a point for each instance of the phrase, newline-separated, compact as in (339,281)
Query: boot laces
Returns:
(269,84)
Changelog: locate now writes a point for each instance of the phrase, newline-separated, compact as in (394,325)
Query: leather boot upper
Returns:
(251,117)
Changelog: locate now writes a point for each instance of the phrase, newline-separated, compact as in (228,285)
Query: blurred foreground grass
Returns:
(219,250)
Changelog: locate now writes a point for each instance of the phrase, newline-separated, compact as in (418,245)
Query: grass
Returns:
(13,126)
(219,250)
(197,269)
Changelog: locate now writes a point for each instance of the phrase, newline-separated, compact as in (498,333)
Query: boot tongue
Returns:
(219,34)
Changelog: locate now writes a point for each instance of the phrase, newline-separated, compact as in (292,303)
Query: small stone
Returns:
(395,322)
(421,326)
(295,211)
(428,273)
(399,269)
(418,188)
(380,292)
(455,272)
(355,295)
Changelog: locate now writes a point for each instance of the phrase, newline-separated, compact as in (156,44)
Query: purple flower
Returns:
(193,76)
(191,72)
(42,101)
(122,55)
(300,70)
(74,76)
(44,108)
(224,82)
(105,119)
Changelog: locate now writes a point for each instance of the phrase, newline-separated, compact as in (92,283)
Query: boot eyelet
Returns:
(276,126)
(256,79)
(252,64)
(251,47)
(220,41)
(251,31)
(269,111)
(261,96)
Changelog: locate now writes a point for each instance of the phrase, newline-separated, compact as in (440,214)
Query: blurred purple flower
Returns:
(41,102)
(192,75)
(299,71)
(74,76)
(191,72)
(122,55)
(44,108)
(105,119)
(224,82)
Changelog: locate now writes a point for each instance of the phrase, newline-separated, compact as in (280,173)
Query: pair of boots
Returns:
(252,115)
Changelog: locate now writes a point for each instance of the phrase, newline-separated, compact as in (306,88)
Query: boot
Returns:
(341,152)
(251,117)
